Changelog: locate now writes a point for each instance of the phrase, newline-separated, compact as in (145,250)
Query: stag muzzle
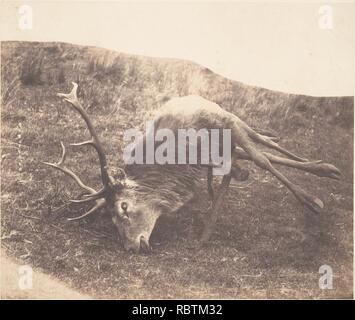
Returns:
(141,244)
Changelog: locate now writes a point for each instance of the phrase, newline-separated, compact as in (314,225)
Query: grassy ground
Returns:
(265,245)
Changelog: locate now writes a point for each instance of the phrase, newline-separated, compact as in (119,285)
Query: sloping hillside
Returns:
(265,239)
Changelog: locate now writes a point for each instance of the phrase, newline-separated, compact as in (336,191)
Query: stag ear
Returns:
(117,174)
(117,178)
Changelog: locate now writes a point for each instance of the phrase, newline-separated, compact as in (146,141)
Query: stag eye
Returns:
(124,206)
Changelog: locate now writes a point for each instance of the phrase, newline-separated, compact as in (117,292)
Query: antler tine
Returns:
(88,198)
(99,194)
(95,142)
(100,203)
(93,194)
(64,154)
(61,167)
(84,143)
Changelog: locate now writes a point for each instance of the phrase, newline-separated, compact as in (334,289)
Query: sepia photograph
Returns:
(177,150)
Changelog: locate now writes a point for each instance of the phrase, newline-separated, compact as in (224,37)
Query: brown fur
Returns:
(150,190)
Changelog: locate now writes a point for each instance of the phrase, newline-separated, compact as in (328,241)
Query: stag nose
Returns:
(140,245)
(144,245)
(131,247)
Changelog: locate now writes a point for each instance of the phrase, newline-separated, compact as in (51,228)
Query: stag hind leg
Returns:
(318,168)
(242,138)
(241,126)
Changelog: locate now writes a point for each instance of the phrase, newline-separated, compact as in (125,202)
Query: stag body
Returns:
(154,189)
(137,199)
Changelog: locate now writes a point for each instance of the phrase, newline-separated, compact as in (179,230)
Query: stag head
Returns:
(118,193)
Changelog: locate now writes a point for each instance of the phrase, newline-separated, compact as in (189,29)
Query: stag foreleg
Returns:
(237,172)
(209,182)
(216,206)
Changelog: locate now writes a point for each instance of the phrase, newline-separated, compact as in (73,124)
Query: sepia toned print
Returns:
(241,190)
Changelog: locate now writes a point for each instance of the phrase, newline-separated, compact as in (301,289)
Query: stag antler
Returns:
(94,141)
(92,192)
(109,184)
